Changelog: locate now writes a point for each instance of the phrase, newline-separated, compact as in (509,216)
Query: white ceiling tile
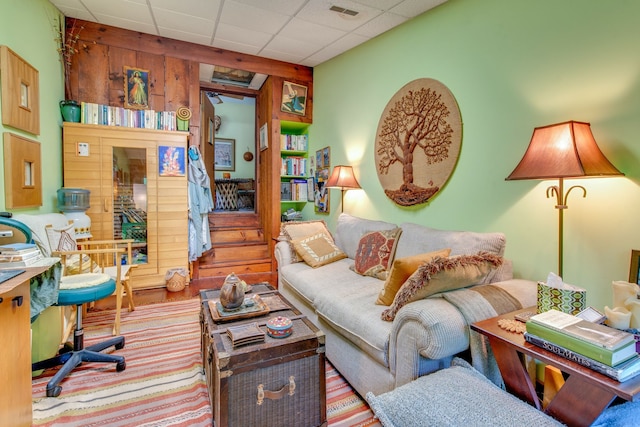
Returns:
(184,23)
(236,47)
(242,35)
(318,11)
(348,42)
(245,16)
(128,24)
(378,4)
(292,46)
(280,56)
(413,8)
(380,24)
(207,9)
(185,36)
(129,10)
(310,32)
(284,7)
(76,13)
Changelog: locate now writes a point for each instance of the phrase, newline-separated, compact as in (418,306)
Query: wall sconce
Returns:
(563,150)
(343,178)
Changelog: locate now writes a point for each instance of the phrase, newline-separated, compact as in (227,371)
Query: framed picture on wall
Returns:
(225,154)
(20,92)
(264,137)
(294,98)
(136,88)
(172,160)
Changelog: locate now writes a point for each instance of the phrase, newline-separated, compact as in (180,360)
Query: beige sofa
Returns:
(375,355)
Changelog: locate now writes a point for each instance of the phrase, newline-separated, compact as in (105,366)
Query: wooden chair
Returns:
(104,256)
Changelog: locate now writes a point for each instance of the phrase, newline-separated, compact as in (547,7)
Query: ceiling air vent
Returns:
(343,10)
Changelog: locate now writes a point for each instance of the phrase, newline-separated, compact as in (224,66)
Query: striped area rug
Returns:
(163,384)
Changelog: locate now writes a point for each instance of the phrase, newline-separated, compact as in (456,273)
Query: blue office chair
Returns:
(76,290)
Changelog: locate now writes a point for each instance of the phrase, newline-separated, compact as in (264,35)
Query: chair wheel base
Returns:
(54,391)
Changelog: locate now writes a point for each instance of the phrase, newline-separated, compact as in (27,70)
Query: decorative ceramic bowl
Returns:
(279,327)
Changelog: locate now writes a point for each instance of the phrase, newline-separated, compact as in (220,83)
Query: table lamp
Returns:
(559,151)
(343,178)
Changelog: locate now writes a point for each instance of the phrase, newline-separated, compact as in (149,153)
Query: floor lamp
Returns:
(343,178)
(559,151)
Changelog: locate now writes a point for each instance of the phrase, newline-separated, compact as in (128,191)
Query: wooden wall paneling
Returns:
(194,102)
(178,81)
(99,33)
(156,66)
(93,64)
(118,58)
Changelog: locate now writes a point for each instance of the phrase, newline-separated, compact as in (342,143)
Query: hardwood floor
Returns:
(154,296)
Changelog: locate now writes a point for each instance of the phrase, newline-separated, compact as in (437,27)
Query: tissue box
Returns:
(570,300)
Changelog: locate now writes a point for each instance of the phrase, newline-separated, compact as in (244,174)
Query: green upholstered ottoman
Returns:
(456,396)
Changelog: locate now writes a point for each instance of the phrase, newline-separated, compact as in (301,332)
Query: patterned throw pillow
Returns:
(440,275)
(318,249)
(401,270)
(375,253)
(295,230)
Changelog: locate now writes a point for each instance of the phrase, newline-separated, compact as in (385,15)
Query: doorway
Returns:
(229,149)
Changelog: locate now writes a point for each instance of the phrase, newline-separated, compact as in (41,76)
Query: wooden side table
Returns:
(583,397)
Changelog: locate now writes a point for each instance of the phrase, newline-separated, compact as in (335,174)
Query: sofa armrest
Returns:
(432,328)
(282,252)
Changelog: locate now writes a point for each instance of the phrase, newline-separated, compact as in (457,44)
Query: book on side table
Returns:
(621,372)
(598,342)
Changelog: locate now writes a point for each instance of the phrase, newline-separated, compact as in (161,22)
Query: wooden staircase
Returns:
(238,246)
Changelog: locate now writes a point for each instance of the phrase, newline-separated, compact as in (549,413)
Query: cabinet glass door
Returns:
(130,199)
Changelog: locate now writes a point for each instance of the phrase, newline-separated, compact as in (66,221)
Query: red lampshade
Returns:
(343,178)
(563,150)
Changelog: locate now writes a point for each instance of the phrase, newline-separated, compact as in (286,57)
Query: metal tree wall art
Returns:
(418,142)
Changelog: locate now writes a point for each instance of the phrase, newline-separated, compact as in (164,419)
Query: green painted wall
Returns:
(512,66)
(239,123)
(26,27)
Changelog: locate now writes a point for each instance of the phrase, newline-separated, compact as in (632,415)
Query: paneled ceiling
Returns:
(306,32)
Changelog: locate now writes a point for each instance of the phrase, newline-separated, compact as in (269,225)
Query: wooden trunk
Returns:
(280,382)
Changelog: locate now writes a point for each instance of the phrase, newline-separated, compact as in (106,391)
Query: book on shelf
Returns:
(581,346)
(621,372)
(17,248)
(573,326)
(7,257)
(23,263)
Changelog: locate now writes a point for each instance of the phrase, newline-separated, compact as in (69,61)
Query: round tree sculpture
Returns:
(418,141)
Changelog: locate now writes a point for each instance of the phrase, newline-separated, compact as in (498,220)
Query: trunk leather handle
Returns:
(275,395)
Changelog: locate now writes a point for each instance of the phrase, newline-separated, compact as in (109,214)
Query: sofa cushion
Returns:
(440,275)
(401,270)
(417,239)
(317,250)
(294,230)
(350,229)
(375,252)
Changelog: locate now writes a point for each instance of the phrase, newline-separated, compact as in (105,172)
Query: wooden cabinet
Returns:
(137,180)
(15,359)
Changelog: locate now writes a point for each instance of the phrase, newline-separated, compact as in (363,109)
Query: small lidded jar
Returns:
(279,327)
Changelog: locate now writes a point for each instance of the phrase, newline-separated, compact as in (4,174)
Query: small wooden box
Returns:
(280,382)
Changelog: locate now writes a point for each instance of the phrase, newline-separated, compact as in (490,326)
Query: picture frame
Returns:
(136,88)
(211,131)
(22,172)
(634,268)
(264,137)
(20,92)
(225,154)
(294,98)
(171,160)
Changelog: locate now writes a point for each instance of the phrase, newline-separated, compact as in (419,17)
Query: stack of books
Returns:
(19,255)
(610,351)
